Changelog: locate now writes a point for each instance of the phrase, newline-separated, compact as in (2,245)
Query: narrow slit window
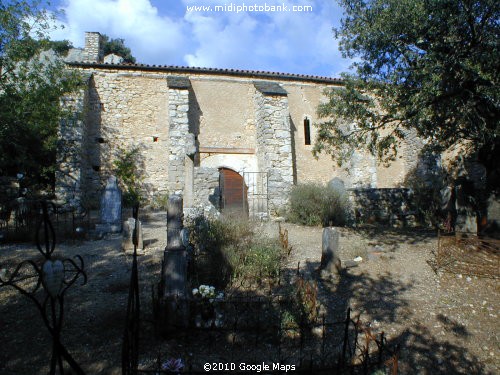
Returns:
(307,131)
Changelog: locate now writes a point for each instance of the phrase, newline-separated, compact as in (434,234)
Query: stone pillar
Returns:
(181,142)
(93,51)
(68,187)
(274,141)
(174,269)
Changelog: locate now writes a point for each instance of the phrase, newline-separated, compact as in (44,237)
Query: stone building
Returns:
(221,138)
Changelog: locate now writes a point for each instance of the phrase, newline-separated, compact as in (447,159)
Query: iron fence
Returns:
(468,254)
(19,218)
(263,330)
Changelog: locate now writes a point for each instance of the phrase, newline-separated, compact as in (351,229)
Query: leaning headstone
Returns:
(128,235)
(111,208)
(174,270)
(330,261)
(338,185)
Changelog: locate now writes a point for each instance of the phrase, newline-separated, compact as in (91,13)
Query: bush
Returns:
(260,260)
(228,249)
(313,204)
(214,242)
(128,168)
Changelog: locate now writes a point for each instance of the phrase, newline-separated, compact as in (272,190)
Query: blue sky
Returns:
(164,32)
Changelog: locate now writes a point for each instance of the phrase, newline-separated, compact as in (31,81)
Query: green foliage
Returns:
(429,67)
(31,87)
(427,185)
(260,260)
(214,242)
(229,250)
(303,306)
(117,46)
(160,201)
(314,204)
(127,167)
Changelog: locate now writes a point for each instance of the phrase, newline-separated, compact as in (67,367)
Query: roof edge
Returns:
(197,70)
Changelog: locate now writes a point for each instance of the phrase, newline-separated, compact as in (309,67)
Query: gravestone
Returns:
(128,235)
(111,208)
(174,269)
(338,185)
(466,220)
(330,261)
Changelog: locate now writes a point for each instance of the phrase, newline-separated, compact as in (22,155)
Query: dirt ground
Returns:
(444,323)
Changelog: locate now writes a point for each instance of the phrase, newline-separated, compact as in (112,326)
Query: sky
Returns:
(297,38)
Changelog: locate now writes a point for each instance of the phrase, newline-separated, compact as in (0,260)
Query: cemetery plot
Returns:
(444,323)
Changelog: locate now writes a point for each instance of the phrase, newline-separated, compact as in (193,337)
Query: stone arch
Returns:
(240,163)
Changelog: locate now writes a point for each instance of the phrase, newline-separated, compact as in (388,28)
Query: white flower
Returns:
(195,291)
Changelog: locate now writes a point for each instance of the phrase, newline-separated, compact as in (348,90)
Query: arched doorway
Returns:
(233,191)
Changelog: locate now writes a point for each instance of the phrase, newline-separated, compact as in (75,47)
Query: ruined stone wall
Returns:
(93,51)
(216,119)
(125,111)
(207,194)
(70,152)
(393,207)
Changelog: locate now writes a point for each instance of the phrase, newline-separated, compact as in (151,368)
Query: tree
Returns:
(32,83)
(117,46)
(427,66)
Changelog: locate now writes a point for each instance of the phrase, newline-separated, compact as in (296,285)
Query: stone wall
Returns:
(207,194)
(274,143)
(383,206)
(93,51)
(303,99)
(181,144)
(70,153)
(249,123)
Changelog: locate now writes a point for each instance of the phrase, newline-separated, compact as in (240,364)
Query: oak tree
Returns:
(424,66)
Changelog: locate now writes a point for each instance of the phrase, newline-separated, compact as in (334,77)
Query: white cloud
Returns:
(293,42)
(153,38)
(297,42)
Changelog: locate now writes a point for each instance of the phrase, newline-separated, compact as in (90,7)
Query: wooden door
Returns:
(233,191)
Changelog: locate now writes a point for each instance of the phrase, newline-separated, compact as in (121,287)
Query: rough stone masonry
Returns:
(190,123)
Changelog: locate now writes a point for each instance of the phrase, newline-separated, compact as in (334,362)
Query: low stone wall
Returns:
(206,195)
(392,207)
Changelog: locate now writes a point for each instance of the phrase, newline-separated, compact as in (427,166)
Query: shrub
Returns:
(160,201)
(228,249)
(214,242)
(127,167)
(314,204)
(260,260)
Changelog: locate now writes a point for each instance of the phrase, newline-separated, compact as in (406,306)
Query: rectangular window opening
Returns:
(307,131)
